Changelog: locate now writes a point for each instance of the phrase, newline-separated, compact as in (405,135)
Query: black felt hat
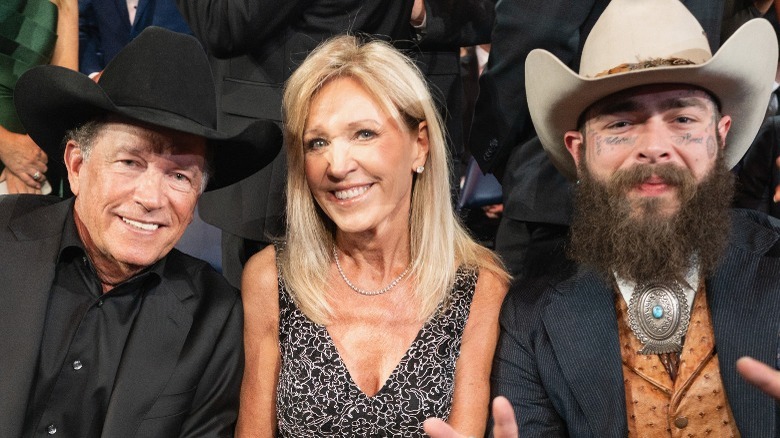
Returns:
(162,78)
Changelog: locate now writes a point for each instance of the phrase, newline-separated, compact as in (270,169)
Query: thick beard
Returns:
(647,246)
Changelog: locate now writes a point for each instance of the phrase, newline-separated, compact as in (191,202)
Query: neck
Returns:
(381,255)
(110,272)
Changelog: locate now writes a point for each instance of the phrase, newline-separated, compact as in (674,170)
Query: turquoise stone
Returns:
(658,312)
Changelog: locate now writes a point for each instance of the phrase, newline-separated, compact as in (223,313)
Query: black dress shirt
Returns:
(84,337)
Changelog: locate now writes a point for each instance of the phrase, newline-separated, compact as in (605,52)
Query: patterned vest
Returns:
(695,404)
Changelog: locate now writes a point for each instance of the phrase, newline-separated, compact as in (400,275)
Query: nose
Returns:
(340,159)
(656,144)
(149,190)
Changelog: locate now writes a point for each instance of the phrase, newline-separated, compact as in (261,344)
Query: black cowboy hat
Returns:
(162,78)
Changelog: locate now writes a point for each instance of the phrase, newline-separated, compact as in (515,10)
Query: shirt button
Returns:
(51,429)
(100,303)
(680,422)
(77,365)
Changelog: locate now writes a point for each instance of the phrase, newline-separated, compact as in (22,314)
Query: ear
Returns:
(724,124)
(73,162)
(422,145)
(574,143)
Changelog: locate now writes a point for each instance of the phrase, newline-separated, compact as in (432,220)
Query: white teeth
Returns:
(350,193)
(141,225)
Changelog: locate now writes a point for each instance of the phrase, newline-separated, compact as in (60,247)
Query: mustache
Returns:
(672,175)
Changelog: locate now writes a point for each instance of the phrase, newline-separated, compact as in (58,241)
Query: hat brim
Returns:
(51,100)
(739,75)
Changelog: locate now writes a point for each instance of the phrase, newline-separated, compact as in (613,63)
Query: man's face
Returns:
(654,190)
(135,193)
(676,126)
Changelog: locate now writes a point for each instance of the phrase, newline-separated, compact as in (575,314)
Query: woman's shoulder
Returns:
(260,279)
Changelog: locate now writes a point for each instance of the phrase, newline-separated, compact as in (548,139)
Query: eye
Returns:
(620,124)
(181,181)
(365,134)
(129,163)
(315,143)
(684,119)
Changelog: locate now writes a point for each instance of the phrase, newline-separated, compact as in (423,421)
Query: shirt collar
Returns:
(690,285)
(71,246)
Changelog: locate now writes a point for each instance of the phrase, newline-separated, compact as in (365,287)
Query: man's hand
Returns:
(762,376)
(23,158)
(418,13)
(503,416)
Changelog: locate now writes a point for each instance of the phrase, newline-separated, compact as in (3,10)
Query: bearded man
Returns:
(671,287)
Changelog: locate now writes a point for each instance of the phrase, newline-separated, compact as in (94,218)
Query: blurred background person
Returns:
(33,32)
(378,310)
(255,46)
(105,26)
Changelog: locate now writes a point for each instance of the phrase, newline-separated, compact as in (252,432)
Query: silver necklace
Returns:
(658,315)
(392,284)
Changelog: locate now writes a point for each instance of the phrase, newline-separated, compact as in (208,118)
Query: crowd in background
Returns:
(424,102)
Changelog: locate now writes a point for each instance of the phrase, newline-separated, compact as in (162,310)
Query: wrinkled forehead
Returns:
(656,97)
(144,137)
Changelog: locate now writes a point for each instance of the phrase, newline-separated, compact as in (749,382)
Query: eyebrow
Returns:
(630,105)
(351,125)
(683,102)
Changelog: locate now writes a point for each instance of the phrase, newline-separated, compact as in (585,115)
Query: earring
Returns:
(419,169)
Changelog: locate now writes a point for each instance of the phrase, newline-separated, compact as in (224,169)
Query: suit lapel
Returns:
(150,356)
(583,331)
(745,308)
(28,259)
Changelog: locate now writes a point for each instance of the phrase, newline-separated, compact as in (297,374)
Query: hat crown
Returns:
(632,31)
(148,73)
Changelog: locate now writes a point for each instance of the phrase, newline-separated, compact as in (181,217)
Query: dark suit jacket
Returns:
(181,369)
(502,136)
(559,362)
(758,173)
(255,46)
(105,28)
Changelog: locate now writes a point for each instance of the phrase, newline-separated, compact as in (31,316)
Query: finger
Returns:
(436,428)
(25,178)
(776,198)
(16,185)
(762,376)
(505,424)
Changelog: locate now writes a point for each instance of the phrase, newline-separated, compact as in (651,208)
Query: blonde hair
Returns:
(438,242)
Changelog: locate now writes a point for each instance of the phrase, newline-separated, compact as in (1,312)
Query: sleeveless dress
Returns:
(316,396)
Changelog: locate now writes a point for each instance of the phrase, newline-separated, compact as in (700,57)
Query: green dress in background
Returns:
(28,32)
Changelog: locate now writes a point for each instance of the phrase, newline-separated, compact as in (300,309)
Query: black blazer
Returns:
(502,136)
(559,363)
(758,174)
(255,46)
(181,369)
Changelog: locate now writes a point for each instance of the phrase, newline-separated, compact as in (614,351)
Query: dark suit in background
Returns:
(537,198)
(759,174)
(559,360)
(255,46)
(105,27)
(181,365)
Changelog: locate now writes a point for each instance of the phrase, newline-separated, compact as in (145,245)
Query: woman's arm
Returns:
(259,291)
(66,50)
(470,403)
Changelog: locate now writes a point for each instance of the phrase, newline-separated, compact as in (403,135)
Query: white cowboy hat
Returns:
(632,32)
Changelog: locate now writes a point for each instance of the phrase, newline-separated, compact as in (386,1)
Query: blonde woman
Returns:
(379,310)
